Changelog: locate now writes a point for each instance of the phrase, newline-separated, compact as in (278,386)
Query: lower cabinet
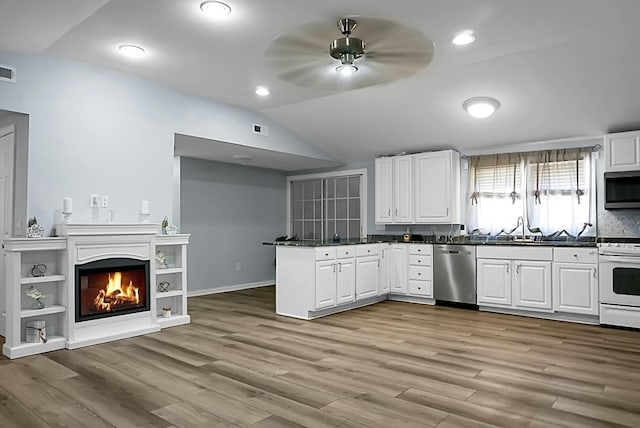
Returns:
(325,284)
(398,268)
(346,281)
(575,288)
(367,276)
(531,284)
(494,282)
(385,269)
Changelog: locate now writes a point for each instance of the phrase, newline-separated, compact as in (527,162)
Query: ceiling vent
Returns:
(7,74)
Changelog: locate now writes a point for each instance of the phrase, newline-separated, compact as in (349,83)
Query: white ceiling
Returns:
(559,68)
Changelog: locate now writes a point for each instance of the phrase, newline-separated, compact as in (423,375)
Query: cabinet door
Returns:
(325,284)
(367,276)
(432,173)
(385,269)
(494,282)
(346,281)
(402,189)
(398,269)
(575,288)
(384,190)
(622,151)
(532,284)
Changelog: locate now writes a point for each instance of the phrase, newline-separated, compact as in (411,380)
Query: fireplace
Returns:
(110,287)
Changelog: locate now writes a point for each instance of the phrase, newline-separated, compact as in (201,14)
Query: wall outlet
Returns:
(238,267)
(104,201)
(95,200)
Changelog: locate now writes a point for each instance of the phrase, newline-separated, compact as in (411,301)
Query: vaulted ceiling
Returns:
(559,68)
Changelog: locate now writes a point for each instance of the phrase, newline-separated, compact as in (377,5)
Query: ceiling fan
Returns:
(384,51)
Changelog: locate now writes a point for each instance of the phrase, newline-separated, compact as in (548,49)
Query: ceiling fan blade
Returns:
(392,52)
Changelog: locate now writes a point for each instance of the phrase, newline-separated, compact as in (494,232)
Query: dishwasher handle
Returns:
(446,251)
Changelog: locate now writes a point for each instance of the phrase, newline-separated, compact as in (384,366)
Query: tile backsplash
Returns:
(619,223)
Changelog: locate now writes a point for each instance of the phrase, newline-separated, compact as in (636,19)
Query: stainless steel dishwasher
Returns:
(454,273)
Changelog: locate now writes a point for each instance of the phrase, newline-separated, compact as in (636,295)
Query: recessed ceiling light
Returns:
(215,9)
(481,107)
(346,70)
(262,91)
(131,51)
(464,38)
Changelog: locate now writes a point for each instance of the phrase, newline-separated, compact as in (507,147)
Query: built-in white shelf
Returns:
(42,279)
(173,320)
(167,271)
(53,309)
(170,293)
(24,349)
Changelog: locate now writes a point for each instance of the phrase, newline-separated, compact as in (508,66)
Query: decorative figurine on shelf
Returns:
(168,228)
(161,259)
(37,296)
(38,270)
(34,230)
(163,286)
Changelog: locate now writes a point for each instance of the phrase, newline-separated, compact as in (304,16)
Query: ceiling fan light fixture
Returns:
(481,107)
(346,70)
(215,9)
(465,37)
(131,51)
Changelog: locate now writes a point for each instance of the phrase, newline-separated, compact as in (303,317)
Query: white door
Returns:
(384,190)
(432,187)
(346,281)
(325,284)
(367,276)
(402,189)
(494,282)
(532,284)
(385,269)
(575,288)
(398,269)
(7,145)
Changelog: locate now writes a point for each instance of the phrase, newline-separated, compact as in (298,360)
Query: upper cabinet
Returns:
(622,151)
(437,187)
(394,190)
(420,188)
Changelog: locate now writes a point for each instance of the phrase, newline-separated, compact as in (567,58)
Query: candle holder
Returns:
(144,218)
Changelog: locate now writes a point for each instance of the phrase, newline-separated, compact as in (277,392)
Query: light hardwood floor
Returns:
(387,365)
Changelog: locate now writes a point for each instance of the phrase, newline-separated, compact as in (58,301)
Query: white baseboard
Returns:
(236,287)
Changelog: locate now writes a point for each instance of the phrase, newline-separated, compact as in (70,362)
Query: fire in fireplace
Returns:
(111,287)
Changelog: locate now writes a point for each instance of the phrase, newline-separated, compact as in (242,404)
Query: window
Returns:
(323,205)
(551,190)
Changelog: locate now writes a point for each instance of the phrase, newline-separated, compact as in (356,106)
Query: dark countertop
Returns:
(458,240)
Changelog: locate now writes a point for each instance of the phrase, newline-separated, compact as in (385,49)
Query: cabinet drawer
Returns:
(576,255)
(420,249)
(421,273)
(512,252)
(367,250)
(325,253)
(420,288)
(419,260)
(346,252)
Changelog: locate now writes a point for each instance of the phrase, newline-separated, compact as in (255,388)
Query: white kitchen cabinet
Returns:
(367,276)
(385,269)
(398,274)
(420,270)
(394,190)
(325,284)
(437,187)
(494,282)
(384,190)
(622,151)
(575,280)
(346,281)
(531,284)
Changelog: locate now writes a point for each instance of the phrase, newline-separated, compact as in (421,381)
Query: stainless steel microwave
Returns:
(622,190)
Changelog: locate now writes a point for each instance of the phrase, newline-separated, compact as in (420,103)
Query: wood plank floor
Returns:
(387,365)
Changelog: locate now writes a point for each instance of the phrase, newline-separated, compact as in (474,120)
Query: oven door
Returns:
(620,280)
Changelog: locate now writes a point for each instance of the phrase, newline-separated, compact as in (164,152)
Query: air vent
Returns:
(7,74)
(260,129)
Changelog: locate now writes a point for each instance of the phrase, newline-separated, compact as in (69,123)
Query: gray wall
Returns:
(21,133)
(94,130)
(229,210)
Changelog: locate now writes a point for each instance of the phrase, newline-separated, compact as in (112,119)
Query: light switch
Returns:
(104,201)
(95,200)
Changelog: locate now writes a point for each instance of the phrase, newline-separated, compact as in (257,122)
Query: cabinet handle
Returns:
(595,272)
(378,263)
(383,250)
(575,255)
(447,211)
(389,211)
(334,267)
(518,269)
(419,261)
(419,274)
(507,266)
(396,211)
(339,267)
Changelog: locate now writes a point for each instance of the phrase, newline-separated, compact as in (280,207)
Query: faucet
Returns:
(521,221)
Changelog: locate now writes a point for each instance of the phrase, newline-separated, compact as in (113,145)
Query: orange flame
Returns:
(115,294)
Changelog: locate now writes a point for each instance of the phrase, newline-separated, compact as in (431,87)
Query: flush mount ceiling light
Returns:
(481,107)
(215,9)
(242,159)
(131,51)
(262,91)
(347,49)
(464,38)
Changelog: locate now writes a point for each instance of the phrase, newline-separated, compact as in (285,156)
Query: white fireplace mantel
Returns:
(97,229)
